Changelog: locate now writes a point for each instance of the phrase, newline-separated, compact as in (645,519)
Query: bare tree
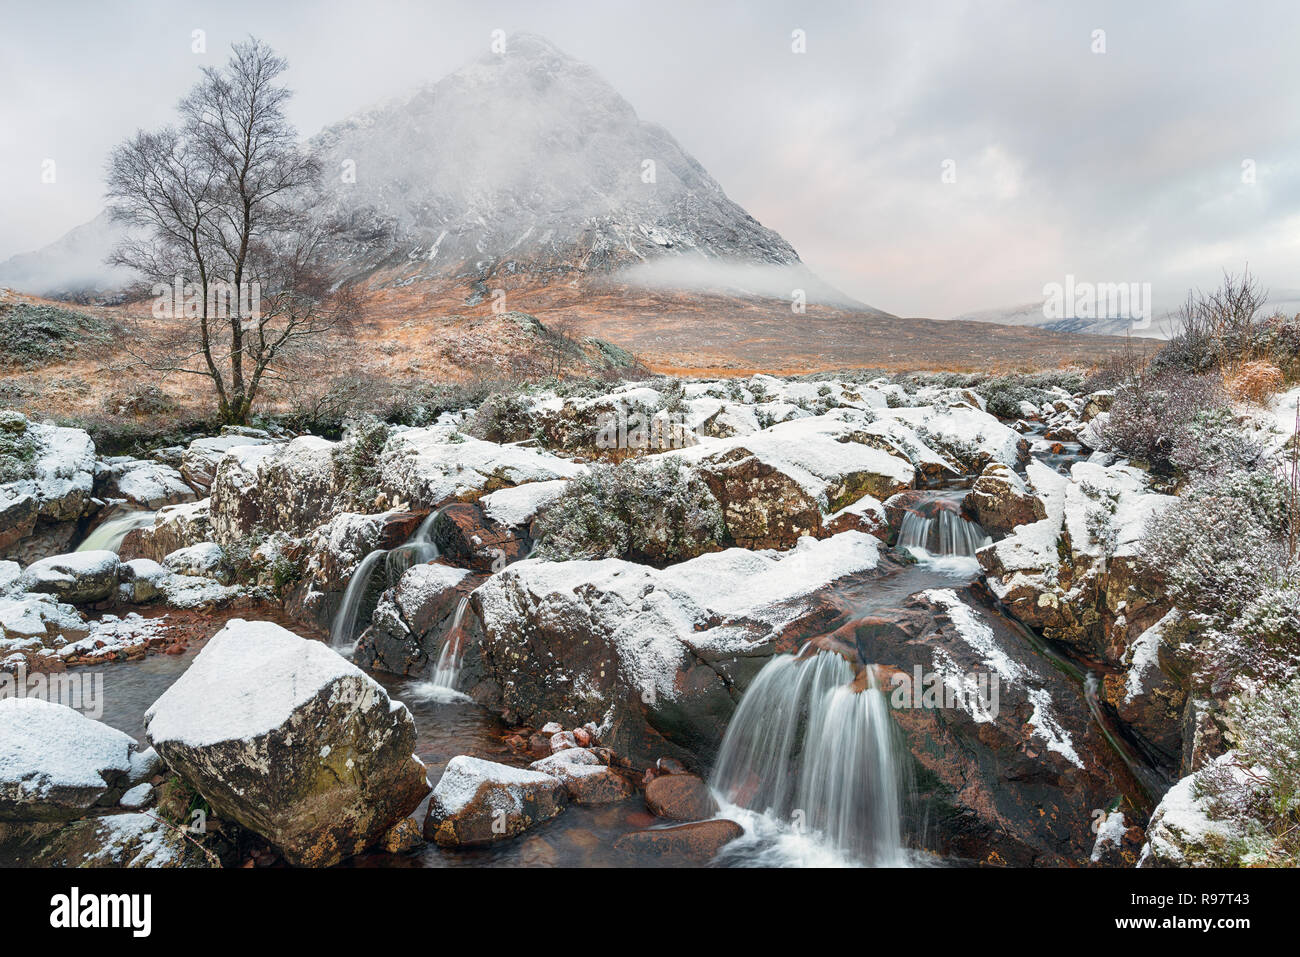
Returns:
(1221,324)
(222,203)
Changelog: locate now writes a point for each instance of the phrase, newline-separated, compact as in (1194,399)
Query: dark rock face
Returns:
(413,617)
(1015,788)
(321,765)
(694,843)
(466,537)
(18,516)
(763,507)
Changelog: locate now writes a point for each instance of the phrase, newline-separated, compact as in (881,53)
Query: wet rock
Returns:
(402,837)
(695,843)
(56,764)
(587,778)
(287,738)
(466,537)
(18,513)
(668,649)
(680,797)
(413,618)
(477,802)
(77,578)
(1000,502)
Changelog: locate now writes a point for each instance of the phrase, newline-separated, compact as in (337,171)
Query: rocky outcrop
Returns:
(141,482)
(428,468)
(1183,833)
(663,653)
(466,536)
(46,483)
(477,802)
(173,528)
(77,578)
(412,618)
(198,465)
(999,501)
(287,738)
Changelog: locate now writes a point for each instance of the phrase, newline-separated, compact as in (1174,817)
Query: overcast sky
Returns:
(1125,165)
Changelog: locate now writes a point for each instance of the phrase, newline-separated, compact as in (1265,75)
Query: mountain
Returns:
(72,267)
(1031,314)
(520,167)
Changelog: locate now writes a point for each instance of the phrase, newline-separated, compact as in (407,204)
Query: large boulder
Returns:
(284,736)
(77,577)
(284,487)
(477,802)
(56,764)
(663,653)
(778,485)
(200,460)
(141,482)
(55,465)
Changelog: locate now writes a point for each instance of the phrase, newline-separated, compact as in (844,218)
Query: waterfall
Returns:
(448,668)
(108,534)
(415,550)
(805,747)
(343,631)
(947,533)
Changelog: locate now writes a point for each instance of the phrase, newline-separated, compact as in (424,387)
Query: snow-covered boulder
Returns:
(174,527)
(587,778)
(777,485)
(53,464)
(200,460)
(204,559)
(140,580)
(658,652)
(142,482)
(77,577)
(286,737)
(968,435)
(424,468)
(517,507)
(57,764)
(136,840)
(479,801)
(287,487)
(1000,501)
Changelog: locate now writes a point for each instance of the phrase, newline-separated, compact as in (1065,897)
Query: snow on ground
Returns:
(46,746)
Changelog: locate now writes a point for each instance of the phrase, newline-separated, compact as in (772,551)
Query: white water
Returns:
(109,533)
(442,686)
(417,549)
(944,535)
(817,760)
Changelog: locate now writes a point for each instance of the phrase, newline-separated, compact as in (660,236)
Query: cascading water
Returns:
(109,534)
(944,534)
(806,747)
(415,550)
(448,668)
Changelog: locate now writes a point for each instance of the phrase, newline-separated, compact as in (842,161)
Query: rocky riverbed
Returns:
(600,628)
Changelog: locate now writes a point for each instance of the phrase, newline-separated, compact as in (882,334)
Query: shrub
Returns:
(657,512)
(1151,413)
(357,457)
(1255,382)
(1223,543)
(33,335)
(503,417)
(1258,788)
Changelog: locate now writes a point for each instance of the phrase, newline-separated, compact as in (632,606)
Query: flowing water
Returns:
(349,621)
(109,533)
